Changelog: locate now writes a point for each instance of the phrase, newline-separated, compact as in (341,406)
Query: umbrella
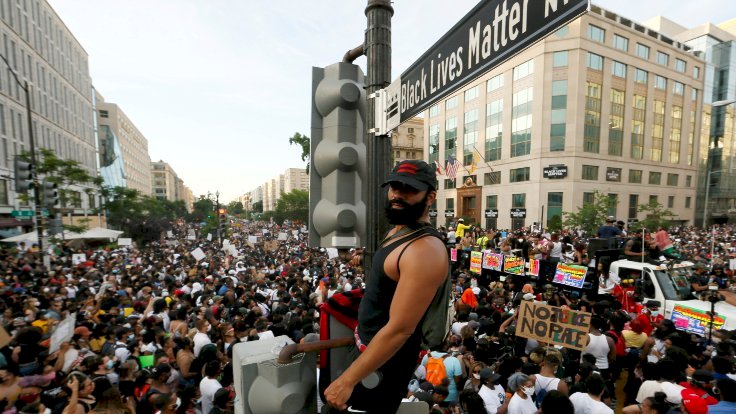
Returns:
(97,233)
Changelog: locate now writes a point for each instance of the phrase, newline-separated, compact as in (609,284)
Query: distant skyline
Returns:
(219,86)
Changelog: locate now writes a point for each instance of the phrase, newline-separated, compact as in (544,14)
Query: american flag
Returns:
(451,167)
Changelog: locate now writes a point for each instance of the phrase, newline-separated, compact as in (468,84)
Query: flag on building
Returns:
(438,167)
(473,164)
(452,166)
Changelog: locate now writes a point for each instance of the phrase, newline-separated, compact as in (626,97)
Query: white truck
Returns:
(671,286)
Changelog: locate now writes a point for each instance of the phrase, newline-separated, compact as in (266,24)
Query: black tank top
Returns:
(373,313)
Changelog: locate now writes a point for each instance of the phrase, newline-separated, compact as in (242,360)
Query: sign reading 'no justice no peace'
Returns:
(490,33)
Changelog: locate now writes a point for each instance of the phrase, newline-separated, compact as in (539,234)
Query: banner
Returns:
(476,262)
(493,261)
(453,255)
(695,320)
(570,275)
(533,268)
(553,325)
(513,265)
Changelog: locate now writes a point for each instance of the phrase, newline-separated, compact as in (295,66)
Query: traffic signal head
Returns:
(23,173)
(50,195)
(55,226)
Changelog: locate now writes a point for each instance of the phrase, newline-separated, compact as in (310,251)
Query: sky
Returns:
(218,86)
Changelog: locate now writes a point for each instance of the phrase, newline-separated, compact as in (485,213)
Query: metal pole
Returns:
(34,170)
(707,191)
(378,51)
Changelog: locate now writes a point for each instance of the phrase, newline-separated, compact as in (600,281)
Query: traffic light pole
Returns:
(34,170)
(378,148)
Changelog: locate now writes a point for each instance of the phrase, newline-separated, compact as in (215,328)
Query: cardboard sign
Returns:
(476,262)
(513,265)
(493,261)
(533,267)
(4,337)
(695,320)
(198,254)
(125,241)
(78,258)
(570,275)
(553,325)
(63,333)
(283,236)
(453,255)
(271,245)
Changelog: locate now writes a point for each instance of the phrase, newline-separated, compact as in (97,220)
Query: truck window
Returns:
(649,290)
(669,290)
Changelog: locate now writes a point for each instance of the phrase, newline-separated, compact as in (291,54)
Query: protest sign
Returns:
(225,242)
(513,265)
(732,264)
(553,325)
(493,261)
(63,333)
(283,236)
(232,250)
(252,239)
(209,236)
(476,261)
(570,275)
(331,252)
(453,255)
(694,320)
(78,258)
(169,234)
(198,254)
(4,337)
(295,233)
(533,267)
(271,245)
(125,241)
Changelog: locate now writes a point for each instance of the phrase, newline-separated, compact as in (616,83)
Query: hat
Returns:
(654,304)
(694,404)
(424,396)
(517,380)
(414,173)
(487,373)
(426,386)
(702,375)
(610,219)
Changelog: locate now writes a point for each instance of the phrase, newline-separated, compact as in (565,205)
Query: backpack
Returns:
(436,372)
(619,341)
(540,397)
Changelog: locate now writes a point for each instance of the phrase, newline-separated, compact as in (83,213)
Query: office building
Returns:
(406,140)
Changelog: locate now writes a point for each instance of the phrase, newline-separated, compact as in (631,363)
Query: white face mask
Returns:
(528,390)
(476,376)
(655,313)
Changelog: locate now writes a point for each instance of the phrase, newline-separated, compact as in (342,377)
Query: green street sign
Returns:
(22,213)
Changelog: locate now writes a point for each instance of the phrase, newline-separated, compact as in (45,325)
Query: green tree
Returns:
(142,218)
(304,142)
(258,207)
(235,208)
(590,216)
(655,216)
(203,208)
(292,206)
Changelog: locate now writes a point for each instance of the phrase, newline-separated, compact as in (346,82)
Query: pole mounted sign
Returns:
(493,31)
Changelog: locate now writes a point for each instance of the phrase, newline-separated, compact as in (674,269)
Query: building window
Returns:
(619,69)
(494,130)
(640,76)
(637,127)
(492,204)
(434,110)
(691,139)
(670,201)
(653,199)
(471,94)
(660,82)
(688,181)
(596,33)
(4,193)
(675,134)
(588,198)
(673,179)
(91,198)
(470,136)
(451,103)
(562,31)
(104,113)
(657,131)
(595,62)
(678,88)
(554,208)
(642,51)
(518,200)
(558,126)
(492,178)
(633,205)
(592,129)
(612,204)
(494,83)
(655,178)
(449,184)
(449,204)
(620,42)
(524,70)
(687,202)
(521,122)
(450,135)
(559,59)
(693,94)
(680,65)
(696,72)
(434,143)
(663,58)
(616,124)
(635,176)
(519,174)
(590,172)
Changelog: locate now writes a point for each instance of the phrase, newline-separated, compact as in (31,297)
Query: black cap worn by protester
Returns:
(414,173)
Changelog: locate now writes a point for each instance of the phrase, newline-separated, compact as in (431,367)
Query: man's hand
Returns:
(338,392)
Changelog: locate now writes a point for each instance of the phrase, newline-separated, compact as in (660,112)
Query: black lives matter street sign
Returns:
(490,33)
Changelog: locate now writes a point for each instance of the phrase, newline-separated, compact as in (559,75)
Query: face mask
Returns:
(28,319)
(528,390)
(47,411)
(131,337)
(209,328)
(476,376)
(655,313)
(110,364)
(36,304)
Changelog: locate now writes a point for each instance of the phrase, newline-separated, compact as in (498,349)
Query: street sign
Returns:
(490,33)
(22,213)
(555,171)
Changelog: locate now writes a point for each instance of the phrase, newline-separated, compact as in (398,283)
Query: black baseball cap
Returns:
(414,173)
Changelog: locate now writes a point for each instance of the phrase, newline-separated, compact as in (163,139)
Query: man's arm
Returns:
(628,252)
(423,268)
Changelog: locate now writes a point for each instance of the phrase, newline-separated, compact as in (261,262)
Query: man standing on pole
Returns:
(409,267)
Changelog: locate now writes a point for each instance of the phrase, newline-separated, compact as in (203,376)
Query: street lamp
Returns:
(708,173)
(32,144)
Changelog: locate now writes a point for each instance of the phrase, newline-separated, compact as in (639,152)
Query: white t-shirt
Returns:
(208,387)
(545,383)
(519,405)
(457,326)
(648,389)
(200,340)
(493,398)
(585,404)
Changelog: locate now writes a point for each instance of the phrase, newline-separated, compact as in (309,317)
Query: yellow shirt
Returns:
(633,339)
(460,231)
(40,323)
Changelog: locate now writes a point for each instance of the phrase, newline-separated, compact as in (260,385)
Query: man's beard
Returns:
(409,214)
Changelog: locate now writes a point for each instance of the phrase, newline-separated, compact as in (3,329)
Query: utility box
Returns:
(262,386)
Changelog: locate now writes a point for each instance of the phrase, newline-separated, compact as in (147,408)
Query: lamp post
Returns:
(708,172)
(32,144)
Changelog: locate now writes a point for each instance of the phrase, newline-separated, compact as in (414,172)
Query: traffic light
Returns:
(23,173)
(337,193)
(222,217)
(50,195)
(54,226)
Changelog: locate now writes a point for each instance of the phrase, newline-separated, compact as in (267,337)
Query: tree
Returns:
(258,207)
(202,209)
(293,206)
(655,215)
(143,218)
(304,142)
(590,216)
(235,208)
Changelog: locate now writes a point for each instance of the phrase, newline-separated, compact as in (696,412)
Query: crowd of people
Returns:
(151,329)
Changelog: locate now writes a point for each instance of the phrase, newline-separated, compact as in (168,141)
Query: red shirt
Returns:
(699,392)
